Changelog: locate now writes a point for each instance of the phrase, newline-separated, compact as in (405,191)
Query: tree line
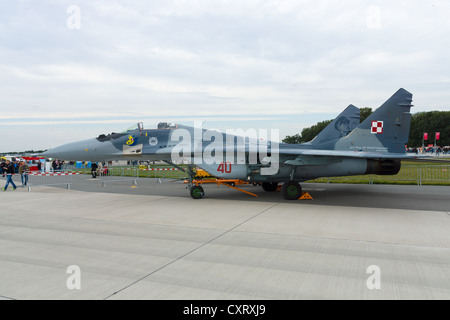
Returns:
(421,122)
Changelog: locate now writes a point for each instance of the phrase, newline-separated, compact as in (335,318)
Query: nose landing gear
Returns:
(197,192)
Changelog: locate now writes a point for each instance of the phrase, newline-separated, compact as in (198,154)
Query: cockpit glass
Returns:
(132,128)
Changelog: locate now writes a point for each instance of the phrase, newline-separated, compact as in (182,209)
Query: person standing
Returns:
(94,168)
(23,170)
(16,166)
(3,167)
(9,173)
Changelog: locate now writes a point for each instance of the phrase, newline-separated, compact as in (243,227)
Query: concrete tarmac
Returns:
(152,241)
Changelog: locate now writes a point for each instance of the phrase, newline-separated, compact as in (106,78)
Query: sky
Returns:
(71,70)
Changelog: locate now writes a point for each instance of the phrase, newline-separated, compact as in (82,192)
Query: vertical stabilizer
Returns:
(386,130)
(340,127)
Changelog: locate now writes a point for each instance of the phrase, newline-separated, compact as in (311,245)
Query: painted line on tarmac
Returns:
(191,251)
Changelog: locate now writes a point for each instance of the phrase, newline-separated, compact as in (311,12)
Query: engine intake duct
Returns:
(383,167)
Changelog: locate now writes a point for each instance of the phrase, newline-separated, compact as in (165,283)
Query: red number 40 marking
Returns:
(224,167)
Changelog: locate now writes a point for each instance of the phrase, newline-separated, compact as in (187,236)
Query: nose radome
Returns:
(75,151)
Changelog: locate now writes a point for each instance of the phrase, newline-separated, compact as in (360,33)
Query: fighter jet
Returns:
(343,148)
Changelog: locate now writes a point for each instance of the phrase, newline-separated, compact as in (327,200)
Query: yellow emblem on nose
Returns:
(130,140)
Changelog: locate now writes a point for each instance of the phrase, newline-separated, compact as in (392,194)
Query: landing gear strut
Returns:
(291,190)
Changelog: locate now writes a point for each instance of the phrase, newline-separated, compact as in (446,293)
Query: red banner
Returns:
(438,135)
(425,136)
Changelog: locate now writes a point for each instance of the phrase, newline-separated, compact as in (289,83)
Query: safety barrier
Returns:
(434,174)
(49,179)
(112,174)
(408,174)
(162,173)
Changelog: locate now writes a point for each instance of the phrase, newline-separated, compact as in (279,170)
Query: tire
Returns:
(197,192)
(292,190)
(270,186)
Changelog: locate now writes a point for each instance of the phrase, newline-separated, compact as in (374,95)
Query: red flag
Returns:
(425,136)
(438,135)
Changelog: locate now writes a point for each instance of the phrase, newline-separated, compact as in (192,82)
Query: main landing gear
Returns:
(270,186)
(291,190)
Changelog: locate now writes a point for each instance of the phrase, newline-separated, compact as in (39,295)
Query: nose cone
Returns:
(86,150)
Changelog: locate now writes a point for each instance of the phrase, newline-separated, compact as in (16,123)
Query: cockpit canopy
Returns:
(166,125)
(135,127)
(115,135)
(139,126)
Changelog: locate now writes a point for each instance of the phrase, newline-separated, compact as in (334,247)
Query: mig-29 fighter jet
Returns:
(343,148)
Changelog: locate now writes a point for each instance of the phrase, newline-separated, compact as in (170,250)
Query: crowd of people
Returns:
(429,150)
(9,168)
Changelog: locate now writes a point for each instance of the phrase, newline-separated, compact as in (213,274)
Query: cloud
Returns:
(200,58)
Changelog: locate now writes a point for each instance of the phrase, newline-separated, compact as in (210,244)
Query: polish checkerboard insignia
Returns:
(377,127)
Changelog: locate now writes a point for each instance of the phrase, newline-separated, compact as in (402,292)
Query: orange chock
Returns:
(305,196)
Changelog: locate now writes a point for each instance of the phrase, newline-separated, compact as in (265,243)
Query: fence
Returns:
(434,174)
(162,173)
(104,175)
(408,174)
(118,174)
(49,179)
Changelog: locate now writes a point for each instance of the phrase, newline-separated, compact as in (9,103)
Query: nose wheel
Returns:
(197,192)
(291,190)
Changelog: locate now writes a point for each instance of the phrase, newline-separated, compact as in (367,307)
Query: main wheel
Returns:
(292,190)
(270,186)
(197,192)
